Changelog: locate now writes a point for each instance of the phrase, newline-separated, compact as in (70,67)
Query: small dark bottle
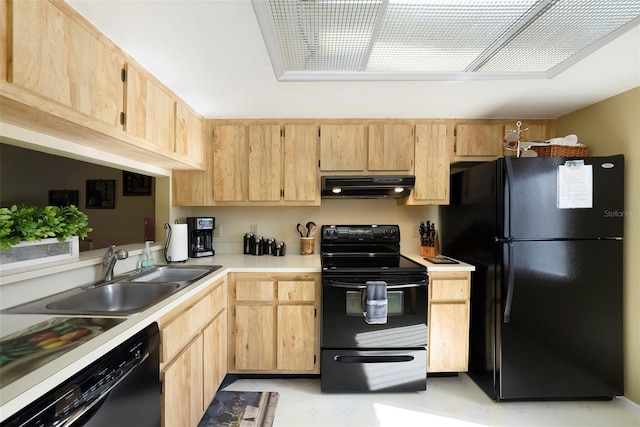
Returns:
(259,249)
(246,241)
(267,246)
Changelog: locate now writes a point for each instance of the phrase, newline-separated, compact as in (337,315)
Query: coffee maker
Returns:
(200,231)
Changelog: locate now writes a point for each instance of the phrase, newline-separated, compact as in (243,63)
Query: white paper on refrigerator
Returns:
(575,187)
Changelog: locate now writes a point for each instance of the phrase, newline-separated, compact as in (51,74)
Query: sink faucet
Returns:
(109,261)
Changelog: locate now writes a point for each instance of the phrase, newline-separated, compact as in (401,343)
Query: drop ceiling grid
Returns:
(560,32)
(440,36)
(437,38)
(331,36)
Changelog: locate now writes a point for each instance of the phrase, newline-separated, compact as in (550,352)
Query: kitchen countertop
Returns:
(21,392)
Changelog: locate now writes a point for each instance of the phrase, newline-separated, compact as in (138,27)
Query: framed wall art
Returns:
(101,194)
(135,184)
(62,198)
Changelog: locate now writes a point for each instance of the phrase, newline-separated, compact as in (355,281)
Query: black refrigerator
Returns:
(546,297)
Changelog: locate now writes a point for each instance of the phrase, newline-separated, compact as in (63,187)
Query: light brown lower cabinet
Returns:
(274,323)
(448,321)
(193,355)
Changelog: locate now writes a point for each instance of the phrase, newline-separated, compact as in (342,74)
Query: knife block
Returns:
(427,251)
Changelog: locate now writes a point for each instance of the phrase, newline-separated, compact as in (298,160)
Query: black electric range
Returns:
(360,353)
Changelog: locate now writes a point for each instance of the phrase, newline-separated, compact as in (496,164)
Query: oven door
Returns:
(344,325)
(346,371)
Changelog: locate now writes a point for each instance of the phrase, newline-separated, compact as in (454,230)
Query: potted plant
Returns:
(26,230)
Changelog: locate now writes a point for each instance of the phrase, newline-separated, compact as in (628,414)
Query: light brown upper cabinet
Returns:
(195,188)
(64,77)
(56,57)
(391,148)
(482,140)
(254,165)
(189,133)
(230,164)
(265,163)
(150,110)
(431,166)
(342,148)
(530,131)
(479,140)
(300,167)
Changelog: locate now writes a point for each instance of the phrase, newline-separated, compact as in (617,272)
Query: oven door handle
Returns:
(351,285)
(373,359)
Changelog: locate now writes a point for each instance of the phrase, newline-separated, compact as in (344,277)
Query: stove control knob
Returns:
(331,233)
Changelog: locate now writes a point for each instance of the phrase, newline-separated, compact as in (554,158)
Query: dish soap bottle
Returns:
(147,258)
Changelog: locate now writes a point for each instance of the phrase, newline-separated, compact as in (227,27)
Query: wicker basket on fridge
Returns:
(560,150)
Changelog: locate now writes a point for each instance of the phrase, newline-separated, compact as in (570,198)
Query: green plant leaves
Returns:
(30,223)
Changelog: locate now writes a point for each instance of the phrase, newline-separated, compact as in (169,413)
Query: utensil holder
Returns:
(307,245)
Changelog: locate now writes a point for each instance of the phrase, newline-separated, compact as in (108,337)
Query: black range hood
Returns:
(367,187)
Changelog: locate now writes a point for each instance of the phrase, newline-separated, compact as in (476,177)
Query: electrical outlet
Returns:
(217,231)
(254,229)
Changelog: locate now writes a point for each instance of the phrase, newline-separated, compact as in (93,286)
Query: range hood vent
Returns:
(366,187)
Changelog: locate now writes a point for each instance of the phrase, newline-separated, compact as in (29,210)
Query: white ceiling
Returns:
(211,53)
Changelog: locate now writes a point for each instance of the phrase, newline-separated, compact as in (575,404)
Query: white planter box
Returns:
(27,254)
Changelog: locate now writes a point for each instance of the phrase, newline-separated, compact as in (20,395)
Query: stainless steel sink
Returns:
(170,273)
(132,293)
(114,297)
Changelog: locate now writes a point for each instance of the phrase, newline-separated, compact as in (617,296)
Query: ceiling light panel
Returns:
(440,36)
(324,35)
(422,39)
(559,31)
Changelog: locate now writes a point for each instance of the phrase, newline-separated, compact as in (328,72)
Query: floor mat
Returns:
(241,409)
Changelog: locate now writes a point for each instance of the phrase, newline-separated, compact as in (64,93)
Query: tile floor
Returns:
(448,402)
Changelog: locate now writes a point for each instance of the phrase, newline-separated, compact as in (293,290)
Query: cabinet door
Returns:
(182,399)
(448,337)
(150,110)
(432,164)
(58,58)
(342,148)
(448,320)
(214,356)
(479,140)
(230,163)
(265,163)
(391,148)
(255,337)
(295,339)
(195,188)
(189,134)
(301,181)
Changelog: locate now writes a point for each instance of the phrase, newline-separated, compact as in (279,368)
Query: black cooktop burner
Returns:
(365,262)
(358,249)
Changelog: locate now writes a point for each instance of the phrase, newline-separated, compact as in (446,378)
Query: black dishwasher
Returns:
(121,388)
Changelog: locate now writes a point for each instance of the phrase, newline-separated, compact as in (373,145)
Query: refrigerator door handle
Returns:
(510,280)
(507,162)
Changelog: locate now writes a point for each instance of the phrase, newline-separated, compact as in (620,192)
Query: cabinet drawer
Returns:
(179,331)
(449,289)
(297,290)
(254,290)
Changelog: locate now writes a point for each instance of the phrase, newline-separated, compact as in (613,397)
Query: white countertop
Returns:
(21,392)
